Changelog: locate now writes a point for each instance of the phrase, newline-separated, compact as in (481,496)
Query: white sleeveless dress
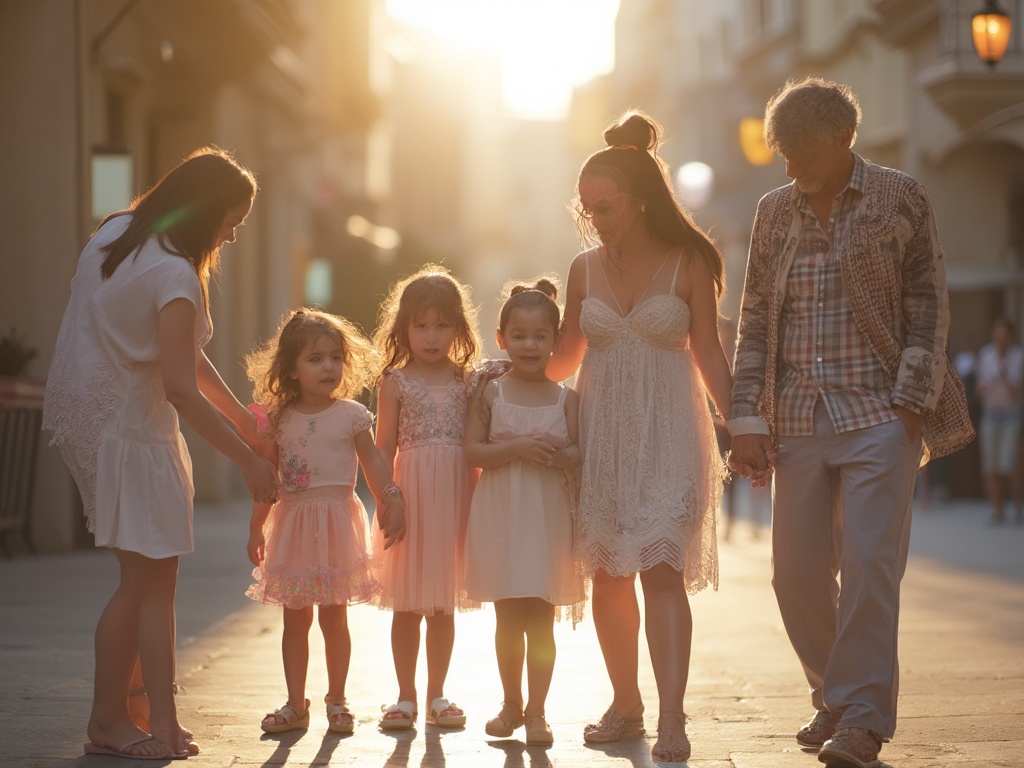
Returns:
(652,475)
(520,537)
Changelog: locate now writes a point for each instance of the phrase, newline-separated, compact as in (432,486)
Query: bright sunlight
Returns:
(546,47)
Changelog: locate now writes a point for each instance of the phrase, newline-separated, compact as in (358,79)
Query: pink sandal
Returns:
(445,714)
(398,717)
(344,723)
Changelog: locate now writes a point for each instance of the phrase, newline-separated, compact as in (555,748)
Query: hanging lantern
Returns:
(990,31)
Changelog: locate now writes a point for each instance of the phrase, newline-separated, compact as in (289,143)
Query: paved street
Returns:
(962,652)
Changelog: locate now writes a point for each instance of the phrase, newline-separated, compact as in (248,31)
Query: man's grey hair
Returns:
(804,112)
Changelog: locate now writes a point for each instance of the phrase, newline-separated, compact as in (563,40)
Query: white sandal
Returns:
(445,714)
(398,717)
(345,724)
(292,720)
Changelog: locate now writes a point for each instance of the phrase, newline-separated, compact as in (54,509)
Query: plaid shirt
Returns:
(894,279)
(822,352)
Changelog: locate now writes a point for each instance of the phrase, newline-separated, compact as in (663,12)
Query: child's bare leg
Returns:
(440,641)
(510,648)
(138,702)
(337,649)
(540,653)
(405,648)
(295,652)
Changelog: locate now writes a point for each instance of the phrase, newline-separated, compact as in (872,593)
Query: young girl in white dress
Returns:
(428,340)
(522,432)
(312,546)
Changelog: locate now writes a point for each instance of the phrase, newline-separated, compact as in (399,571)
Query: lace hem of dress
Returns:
(325,585)
(619,551)
(76,416)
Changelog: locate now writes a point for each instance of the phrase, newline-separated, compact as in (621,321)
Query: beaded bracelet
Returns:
(390,490)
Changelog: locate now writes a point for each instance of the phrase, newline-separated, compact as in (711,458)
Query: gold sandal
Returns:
(612,726)
(672,745)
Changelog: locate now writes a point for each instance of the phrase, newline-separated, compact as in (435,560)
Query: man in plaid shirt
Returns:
(842,389)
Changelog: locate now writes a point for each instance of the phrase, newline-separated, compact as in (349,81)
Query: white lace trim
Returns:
(76,416)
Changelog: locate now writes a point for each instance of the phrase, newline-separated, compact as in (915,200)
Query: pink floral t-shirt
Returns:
(318,449)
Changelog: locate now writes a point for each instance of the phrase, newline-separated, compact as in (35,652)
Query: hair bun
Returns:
(515,290)
(633,129)
(546,287)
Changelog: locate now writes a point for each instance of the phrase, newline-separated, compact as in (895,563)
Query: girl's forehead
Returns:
(431,313)
(323,341)
(529,317)
(595,187)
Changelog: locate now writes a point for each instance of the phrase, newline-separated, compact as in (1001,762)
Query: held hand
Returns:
(912,422)
(254,431)
(749,455)
(392,521)
(538,452)
(256,548)
(261,479)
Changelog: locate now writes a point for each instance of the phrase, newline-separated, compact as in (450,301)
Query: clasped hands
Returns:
(392,519)
(753,456)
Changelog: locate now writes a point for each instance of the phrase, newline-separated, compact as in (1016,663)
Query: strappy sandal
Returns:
(293,721)
(612,726)
(538,732)
(672,745)
(444,714)
(344,723)
(398,717)
(504,724)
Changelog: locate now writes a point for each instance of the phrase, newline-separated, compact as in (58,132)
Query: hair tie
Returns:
(623,146)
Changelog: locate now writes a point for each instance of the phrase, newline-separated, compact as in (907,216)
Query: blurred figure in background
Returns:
(1000,372)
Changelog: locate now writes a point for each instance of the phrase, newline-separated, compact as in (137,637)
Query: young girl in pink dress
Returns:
(428,340)
(519,547)
(312,546)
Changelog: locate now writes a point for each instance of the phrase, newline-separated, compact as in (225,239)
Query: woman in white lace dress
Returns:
(128,363)
(641,314)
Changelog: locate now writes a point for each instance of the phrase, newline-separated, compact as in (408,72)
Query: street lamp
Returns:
(693,184)
(990,31)
(752,141)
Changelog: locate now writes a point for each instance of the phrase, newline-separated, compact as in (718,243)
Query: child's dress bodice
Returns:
(317,449)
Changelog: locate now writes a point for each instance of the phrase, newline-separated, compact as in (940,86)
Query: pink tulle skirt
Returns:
(425,572)
(317,551)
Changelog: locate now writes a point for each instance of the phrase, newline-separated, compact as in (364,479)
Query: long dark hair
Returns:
(631,161)
(185,211)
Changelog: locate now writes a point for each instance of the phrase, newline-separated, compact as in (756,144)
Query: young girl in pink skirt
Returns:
(312,546)
(428,340)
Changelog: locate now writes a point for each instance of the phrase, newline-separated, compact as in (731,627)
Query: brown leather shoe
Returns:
(817,730)
(851,748)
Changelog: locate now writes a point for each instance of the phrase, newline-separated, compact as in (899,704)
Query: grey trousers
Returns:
(841,506)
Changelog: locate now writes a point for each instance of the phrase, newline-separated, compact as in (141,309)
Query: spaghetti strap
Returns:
(501,393)
(561,394)
(675,274)
(586,264)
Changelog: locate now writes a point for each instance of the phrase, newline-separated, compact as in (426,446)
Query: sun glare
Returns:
(546,47)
